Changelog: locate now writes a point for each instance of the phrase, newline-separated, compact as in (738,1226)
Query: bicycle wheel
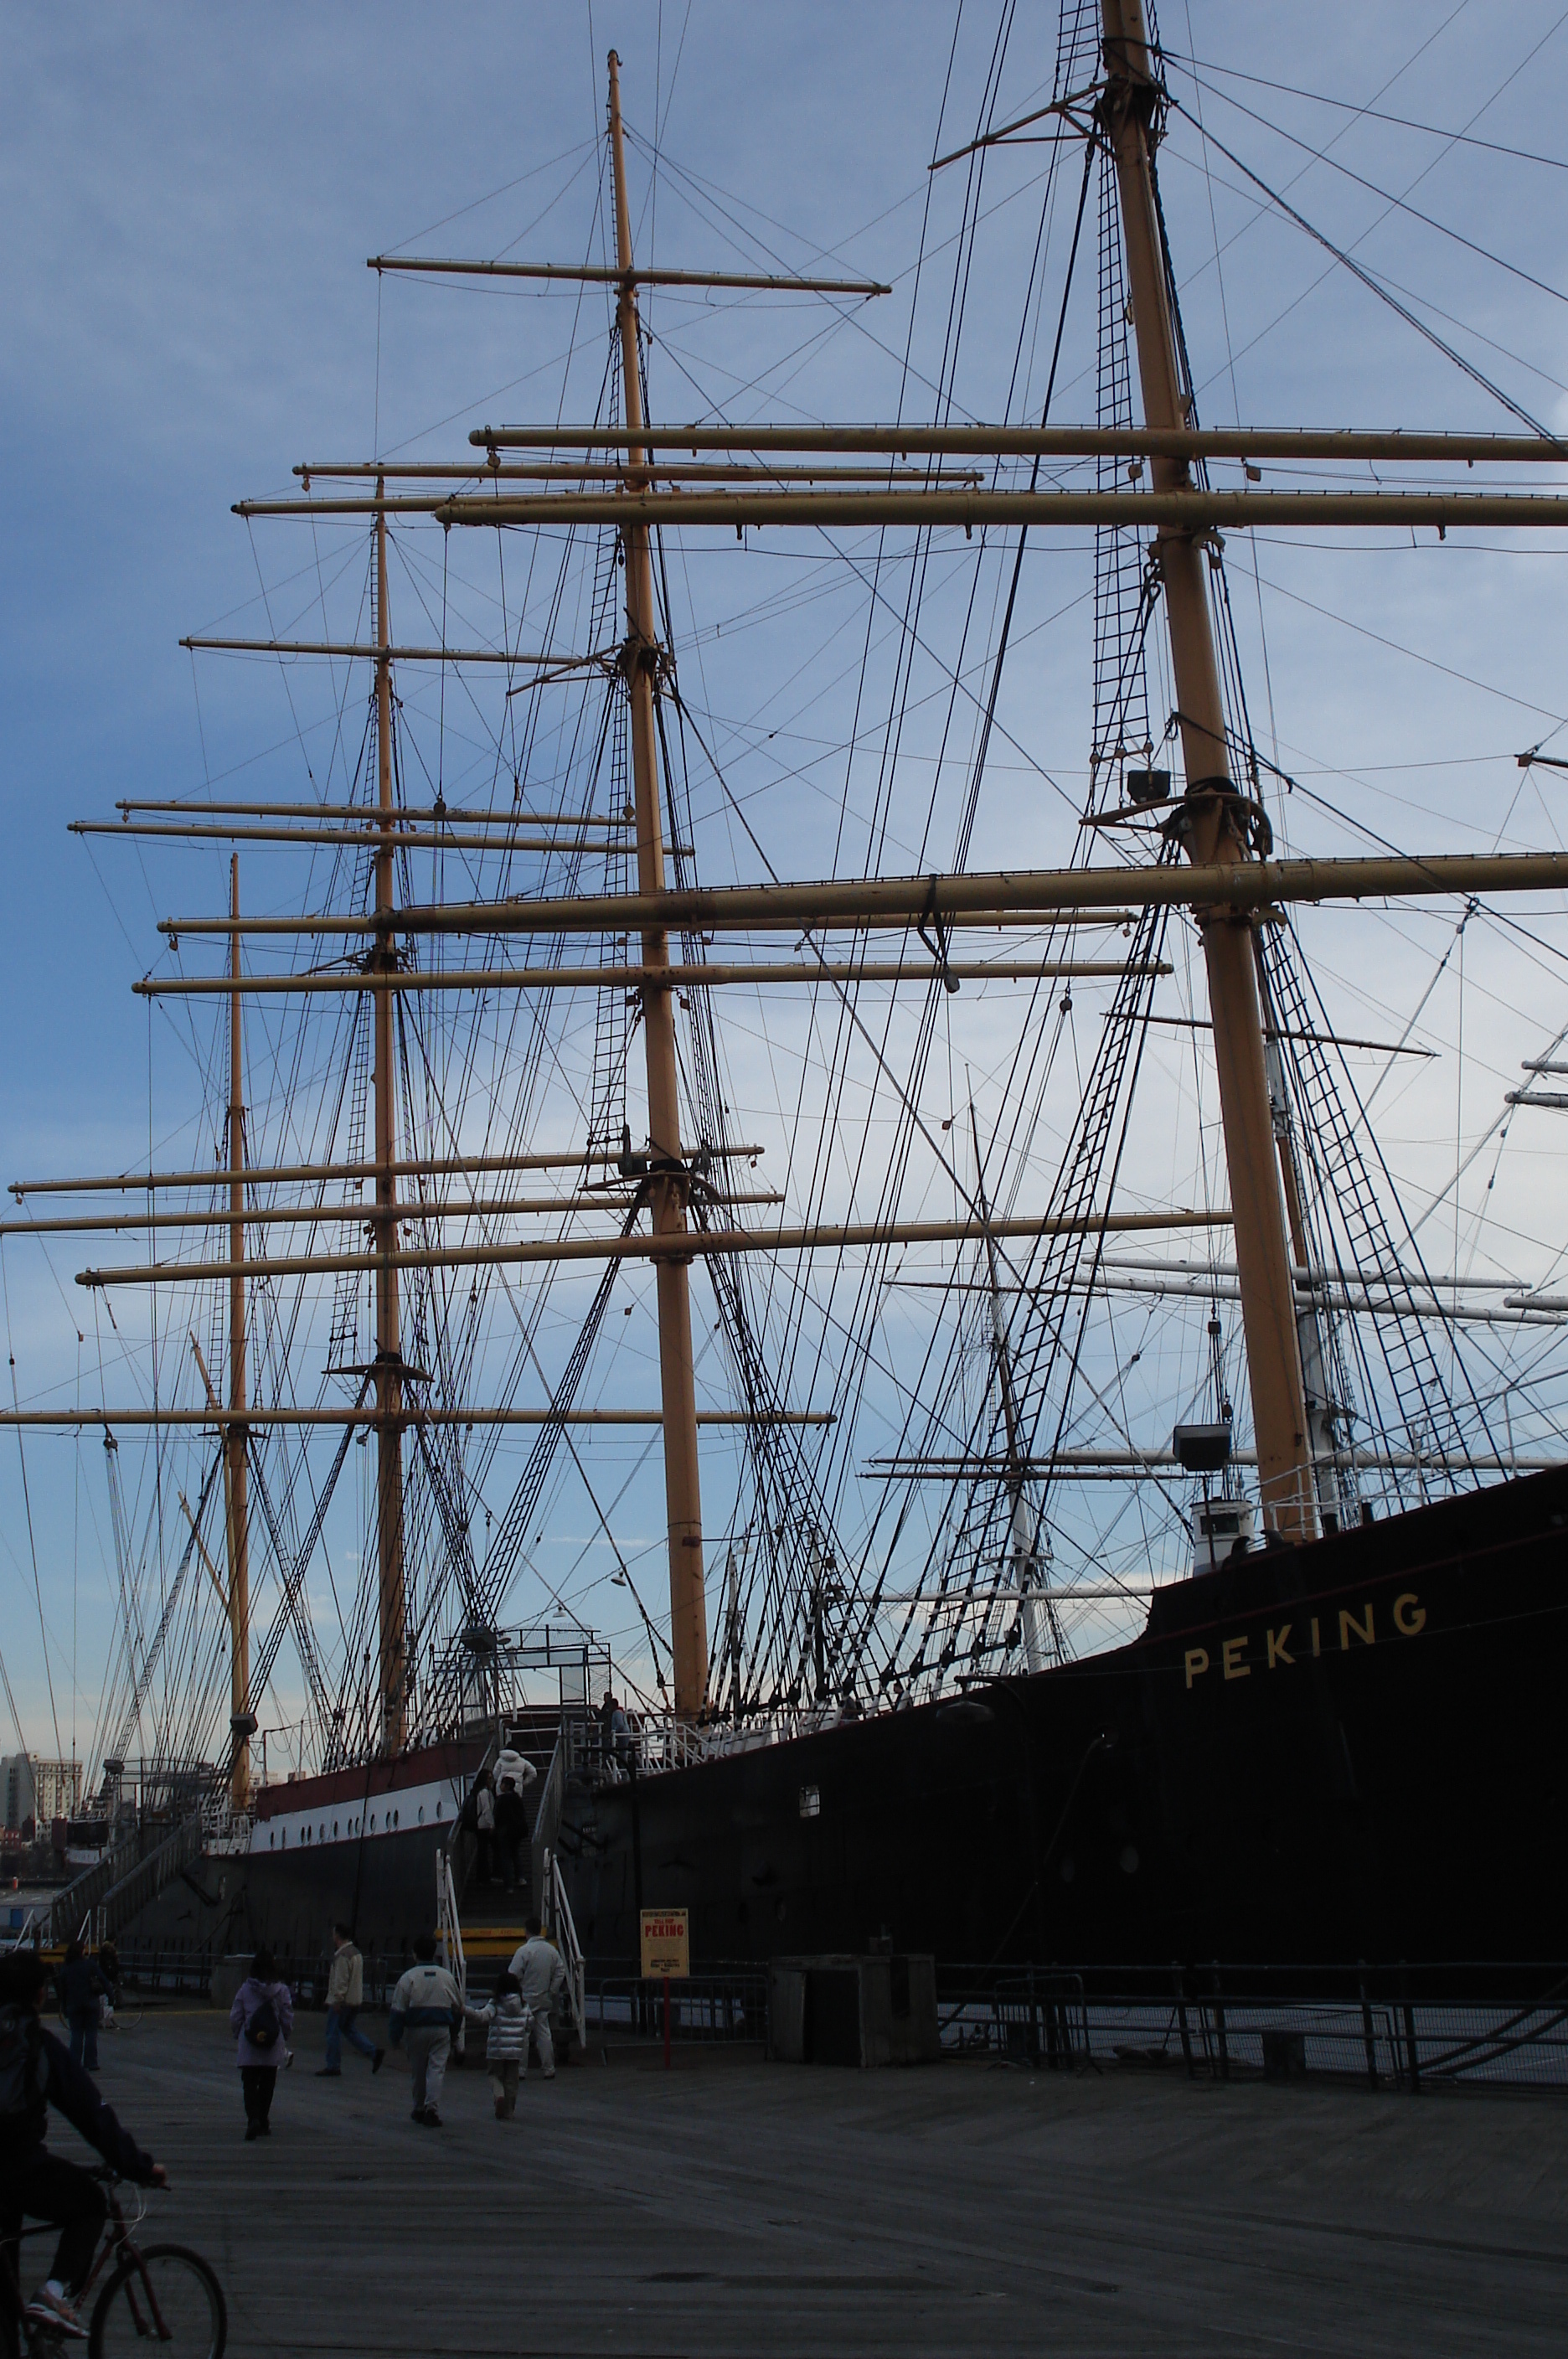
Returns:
(191,2307)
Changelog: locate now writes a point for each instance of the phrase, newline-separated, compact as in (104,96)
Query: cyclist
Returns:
(36,2071)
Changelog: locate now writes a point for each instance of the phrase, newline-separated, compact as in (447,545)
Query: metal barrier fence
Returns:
(713,2009)
(1402,2028)
(1408,2028)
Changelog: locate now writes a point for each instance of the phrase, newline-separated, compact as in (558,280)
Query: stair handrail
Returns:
(154,1870)
(563,1931)
(547,1820)
(71,1907)
(449,1933)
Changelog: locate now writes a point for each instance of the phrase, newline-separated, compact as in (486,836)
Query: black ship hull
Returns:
(1314,1757)
(1352,1750)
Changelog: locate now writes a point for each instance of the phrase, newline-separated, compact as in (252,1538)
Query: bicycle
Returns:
(161,2293)
(111,2017)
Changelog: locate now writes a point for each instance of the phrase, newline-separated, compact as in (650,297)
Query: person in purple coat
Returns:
(261,2017)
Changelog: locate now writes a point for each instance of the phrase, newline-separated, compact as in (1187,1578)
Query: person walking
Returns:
(346,1996)
(485,1828)
(506,2042)
(540,1970)
(262,2018)
(428,2006)
(80,1988)
(514,1774)
(36,2072)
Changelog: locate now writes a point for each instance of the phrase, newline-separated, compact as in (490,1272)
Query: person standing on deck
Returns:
(346,1996)
(80,1988)
(428,2006)
(540,1970)
(262,2018)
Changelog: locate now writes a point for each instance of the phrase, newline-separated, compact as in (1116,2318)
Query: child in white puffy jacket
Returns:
(507,2019)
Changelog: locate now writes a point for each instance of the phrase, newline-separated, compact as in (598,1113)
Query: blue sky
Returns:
(190,194)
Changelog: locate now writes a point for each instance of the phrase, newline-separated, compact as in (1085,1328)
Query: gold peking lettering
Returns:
(1233,1650)
(1197,1662)
(1409,1614)
(1347,1622)
(1278,1651)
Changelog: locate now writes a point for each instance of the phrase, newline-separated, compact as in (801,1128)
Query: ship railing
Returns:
(1403,2028)
(562,1930)
(224,1829)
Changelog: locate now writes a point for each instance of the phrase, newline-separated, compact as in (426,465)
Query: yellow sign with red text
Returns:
(666,1945)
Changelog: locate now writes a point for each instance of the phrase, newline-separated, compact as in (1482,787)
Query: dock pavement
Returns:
(737,2207)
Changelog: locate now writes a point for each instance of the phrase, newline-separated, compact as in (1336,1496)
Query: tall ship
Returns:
(740,1248)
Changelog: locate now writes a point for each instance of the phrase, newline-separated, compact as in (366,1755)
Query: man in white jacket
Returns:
(540,1970)
(428,2006)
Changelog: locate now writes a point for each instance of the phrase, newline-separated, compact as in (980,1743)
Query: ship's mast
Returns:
(1210,829)
(667,1194)
(393,1623)
(235,1433)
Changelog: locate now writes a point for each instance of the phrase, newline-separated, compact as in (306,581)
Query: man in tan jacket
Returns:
(346,1996)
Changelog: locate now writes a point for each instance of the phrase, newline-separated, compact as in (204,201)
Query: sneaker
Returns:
(378,2061)
(253,2130)
(418,2114)
(430,2118)
(265,2128)
(329,2072)
(56,2310)
(551,2074)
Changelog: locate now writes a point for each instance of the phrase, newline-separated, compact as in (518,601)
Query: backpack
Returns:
(24,2073)
(263,2029)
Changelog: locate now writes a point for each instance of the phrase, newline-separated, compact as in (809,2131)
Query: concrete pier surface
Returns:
(737,2207)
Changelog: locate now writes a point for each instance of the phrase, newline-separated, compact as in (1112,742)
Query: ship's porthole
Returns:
(322,1831)
(372,1822)
(1130,1859)
(1068,1869)
(421,1814)
(397,1817)
(437,1809)
(334,1827)
(272,1839)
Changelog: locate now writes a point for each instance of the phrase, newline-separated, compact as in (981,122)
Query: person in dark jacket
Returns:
(38,2070)
(512,1831)
(80,1988)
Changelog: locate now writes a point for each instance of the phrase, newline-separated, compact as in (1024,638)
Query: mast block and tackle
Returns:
(667,1199)
(1211,827)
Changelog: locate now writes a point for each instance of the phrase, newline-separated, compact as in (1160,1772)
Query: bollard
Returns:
(1368,2038)
(1181,2014)
(1221,2049)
